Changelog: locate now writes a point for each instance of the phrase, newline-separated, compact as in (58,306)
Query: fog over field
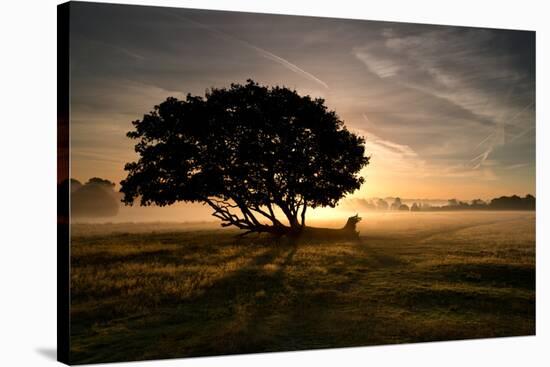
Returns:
(331,217)
(372,224)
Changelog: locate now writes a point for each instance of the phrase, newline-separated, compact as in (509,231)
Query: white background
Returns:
(28,182)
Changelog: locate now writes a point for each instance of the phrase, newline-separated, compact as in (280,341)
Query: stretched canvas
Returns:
(236,183)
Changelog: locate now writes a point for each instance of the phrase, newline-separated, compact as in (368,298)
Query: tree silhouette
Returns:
(404,207)
(382,204)
(396,204)
(250,152)
(96,198)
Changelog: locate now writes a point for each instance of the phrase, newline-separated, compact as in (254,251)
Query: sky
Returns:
(447,112)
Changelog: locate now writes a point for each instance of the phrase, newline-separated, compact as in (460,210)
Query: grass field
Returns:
(167,290)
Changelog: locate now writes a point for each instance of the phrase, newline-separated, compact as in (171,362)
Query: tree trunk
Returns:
(347,232)
(247,221)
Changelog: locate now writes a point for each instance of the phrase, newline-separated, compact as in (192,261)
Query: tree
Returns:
(452,202)
(513,202)
(425,206)
(404,207)
(381,204)
(96,198)
(396,204)
(250,152)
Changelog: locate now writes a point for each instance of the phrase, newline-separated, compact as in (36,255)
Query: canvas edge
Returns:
(63,184)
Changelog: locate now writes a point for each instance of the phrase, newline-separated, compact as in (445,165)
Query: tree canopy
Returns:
(253,153)
(95,198)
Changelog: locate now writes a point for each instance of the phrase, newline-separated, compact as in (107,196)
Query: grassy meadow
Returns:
(167,290)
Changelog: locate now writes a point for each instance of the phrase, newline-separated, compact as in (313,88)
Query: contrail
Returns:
(264,53)
(286,63)
(515,137)
(484,140)
(366,118)
(497,137)
(508,95)
(525,131)
(482,157)
(509,122)
(129,53)
(494,139)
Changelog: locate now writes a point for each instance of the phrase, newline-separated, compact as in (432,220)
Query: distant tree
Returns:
(366,204)
(396,204)
(404,207)
(426,206)
(96,198)
(370,205)
(382,204)
(478,202)
(99,181)
(513,202)
(529,202)
(75,185)
(452,202)
(249,152)
(415,207)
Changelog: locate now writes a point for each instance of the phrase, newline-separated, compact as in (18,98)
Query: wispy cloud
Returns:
(262,52)
(129,53)
(518,165)
(400,158)
(286,63)
(403,162)
(454,65)
(498,137)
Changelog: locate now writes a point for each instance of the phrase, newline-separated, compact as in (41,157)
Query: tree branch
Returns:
(221,211)
(271,216)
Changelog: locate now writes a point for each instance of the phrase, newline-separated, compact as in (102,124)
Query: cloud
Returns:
(400,160)
(262,52)
(498,137)
(287,64)
(471,69)
(396,157)
(517,166)
(129,53)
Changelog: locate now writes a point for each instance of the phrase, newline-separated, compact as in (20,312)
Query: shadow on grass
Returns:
(381,259)
(489,274)
(358,293)
(215,321)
